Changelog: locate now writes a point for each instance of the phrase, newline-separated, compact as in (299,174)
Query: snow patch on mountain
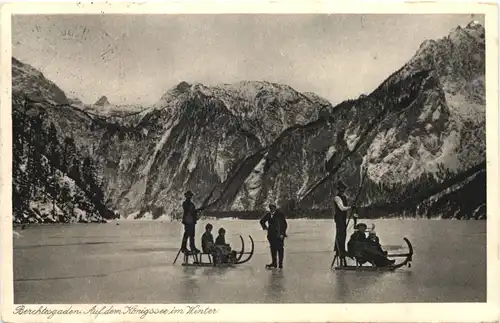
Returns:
(407,161)
(459,106)
(304,175)
(193,162)
(330,152)
(352,138)
(220,163)
(159,146)
(248,194)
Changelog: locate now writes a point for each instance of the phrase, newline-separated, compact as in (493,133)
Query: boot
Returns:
(281,255)
(273,259)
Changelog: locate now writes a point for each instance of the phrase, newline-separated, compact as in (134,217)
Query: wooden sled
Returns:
(197,259)
(407,261)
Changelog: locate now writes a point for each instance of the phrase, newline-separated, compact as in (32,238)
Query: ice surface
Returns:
(132,263)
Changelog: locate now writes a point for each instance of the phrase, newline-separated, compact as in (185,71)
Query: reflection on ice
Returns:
(275,286)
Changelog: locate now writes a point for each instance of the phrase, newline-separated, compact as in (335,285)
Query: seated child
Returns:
(223,250)
(207,240)
(365,249)
(374,241)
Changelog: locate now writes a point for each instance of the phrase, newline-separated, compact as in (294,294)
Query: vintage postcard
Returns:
(250,162)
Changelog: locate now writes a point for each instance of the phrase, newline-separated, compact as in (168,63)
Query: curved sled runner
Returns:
(197,259)
(407,261)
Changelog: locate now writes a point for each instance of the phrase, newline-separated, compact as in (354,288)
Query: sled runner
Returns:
(407,261)
(207,260)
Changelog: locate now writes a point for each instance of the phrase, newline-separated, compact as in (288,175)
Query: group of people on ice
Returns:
(362,247)
(219,249)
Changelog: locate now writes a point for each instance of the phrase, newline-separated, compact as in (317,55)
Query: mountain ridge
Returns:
(237,144)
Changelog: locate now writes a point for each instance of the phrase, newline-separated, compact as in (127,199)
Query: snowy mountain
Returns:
(195,137)
(417,142)
(422,127)
(54,178)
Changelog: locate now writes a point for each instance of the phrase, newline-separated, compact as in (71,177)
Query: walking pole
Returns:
(177,255)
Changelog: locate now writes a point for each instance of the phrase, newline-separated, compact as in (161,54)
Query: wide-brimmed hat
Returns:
(188,194)
(271,205)
(361,225)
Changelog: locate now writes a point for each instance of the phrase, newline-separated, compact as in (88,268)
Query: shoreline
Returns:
(118,221)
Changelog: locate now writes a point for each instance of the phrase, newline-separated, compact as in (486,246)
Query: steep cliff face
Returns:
(417,142)
(54,177)
(421,127)
(195,137)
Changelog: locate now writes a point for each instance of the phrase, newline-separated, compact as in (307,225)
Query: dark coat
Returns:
(357,240)
(275,225)
(376,245)
(341,216)
(190,215)
(220,241)
(207,241)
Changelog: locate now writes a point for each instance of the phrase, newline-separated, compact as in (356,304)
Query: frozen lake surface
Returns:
(132,263)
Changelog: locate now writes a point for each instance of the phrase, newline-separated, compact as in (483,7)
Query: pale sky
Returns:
(136,59)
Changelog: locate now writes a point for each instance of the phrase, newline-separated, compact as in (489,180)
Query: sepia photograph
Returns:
(301,158)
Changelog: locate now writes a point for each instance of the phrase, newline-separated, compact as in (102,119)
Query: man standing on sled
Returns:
(276,232)
(189,219)
(341,209)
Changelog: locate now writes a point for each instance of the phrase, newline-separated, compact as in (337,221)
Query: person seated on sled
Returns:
(374,241)
(223,253)
(356,243)
(207,240)
(365,250)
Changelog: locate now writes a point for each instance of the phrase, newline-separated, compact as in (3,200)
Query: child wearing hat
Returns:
(374,241)
(207,239)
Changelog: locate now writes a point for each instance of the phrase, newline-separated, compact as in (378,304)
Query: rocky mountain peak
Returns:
(474,24)
(262,108)
(30,82)
(103,101)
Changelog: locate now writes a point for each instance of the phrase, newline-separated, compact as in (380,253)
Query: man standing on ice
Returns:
(189,219)
(276,232)
(341,209)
